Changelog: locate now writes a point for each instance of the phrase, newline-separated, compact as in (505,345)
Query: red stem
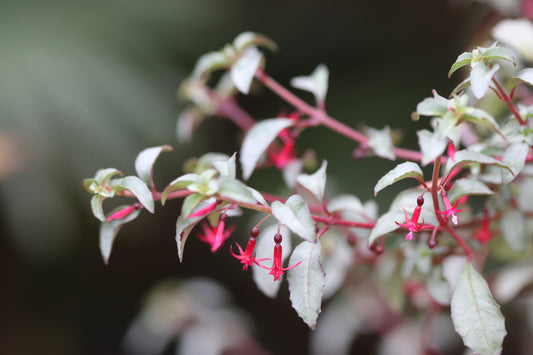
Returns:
(507,99)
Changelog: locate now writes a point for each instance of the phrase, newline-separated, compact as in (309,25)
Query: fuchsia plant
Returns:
(471,152)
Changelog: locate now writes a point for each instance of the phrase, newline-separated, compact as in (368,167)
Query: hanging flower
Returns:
(277,268)
(124,212)
(412,224)
(450,210)
(215,236)
(484,234)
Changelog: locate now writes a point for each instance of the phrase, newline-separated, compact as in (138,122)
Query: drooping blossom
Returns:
(204,211)
(247,257)
(412,224)
(484,234)
(124,212)
(277,268)
(281,157)
(450,210)
(215,236)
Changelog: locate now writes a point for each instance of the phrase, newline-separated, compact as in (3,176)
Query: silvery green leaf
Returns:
(513,228)
(96,207)
(385,224)
(345,203)
(243,71)
(186,123)
(291,172)
(480,78)
(431,145)
(525,76)
(234,190)
(226,167)
(432,106)
(208,63)
(138,188)
(464,157)
(306,282)
(103,175)
(400,172)
(381,142)
(109,230)
(515,157)
(476,316)
(336,260)
(462,60)
(257,140)
(316,83)
(467,187)
(179,183)
(315,183)
(295,214)
(145,161)
(184,225)
(511,280)
(246,39)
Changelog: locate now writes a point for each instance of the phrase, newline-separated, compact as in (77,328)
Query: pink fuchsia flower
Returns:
(412,224)
(484,234)
(281,157)
(203,211)
(451,150)
(215,236)
(124,212)
(450,210)
(277,268)
(247,257)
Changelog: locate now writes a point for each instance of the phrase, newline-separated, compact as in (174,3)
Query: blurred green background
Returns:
(87,85)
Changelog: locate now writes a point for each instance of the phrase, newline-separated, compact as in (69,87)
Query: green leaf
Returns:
(462,60)
(476,316)
(257,140)
(145,162)
(103,175)
(432,145)
(386,224)
(345,203)
(513,228)
(467,187)
(381,142)
(464,157)
(96,206)
(315,183)
(257,196)
(208,63)
(494,52)
(511,280)
(226,167)
(515,157)
(184,225)
(480,78)
(247,39)
(435,106)
(400,172)
(243,71)
(295,215)
(179,183)
(97,184)
(187,122)
(316,83)
(476,115)
(109,231)
(138,188)
(234,190)
(306,282)
(525,76)
(336,258)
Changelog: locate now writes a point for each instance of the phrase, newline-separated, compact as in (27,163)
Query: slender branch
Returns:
(322,118)
(442,222)
(230,108)
(507,99)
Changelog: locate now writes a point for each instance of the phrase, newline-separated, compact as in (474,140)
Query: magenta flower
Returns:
(412,224)
(286,154)
(247,257)
(215,236)
(126,211)
(484,234)
(277,268)
(203,211)
(450,210)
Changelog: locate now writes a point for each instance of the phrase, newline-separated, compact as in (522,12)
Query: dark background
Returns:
(87,85)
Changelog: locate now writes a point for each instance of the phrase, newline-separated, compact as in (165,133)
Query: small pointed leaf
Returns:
(145,162)
(462,60)
(96,206)
(178,184)
(208,63)
(109,230)
(137,187)
(464,157)
(386,224)
(234,190)
(247,39)
(515,157)
(480,78)
(400,172)
(467,187)
(226,167)
(513,228)
(432,106)
(524,77)
(184,225)
(381,142)
(315,183)
(295,215)
(476,316)
(243,71)
(431,145)
(306,282)
(316,83)
(257,140)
